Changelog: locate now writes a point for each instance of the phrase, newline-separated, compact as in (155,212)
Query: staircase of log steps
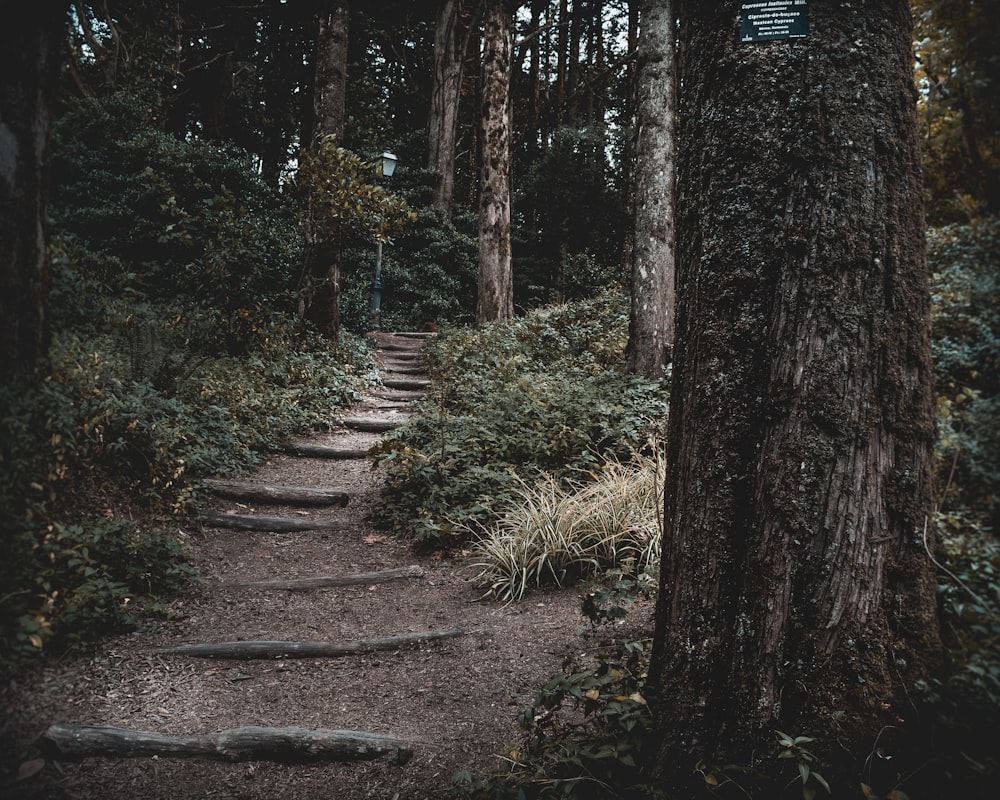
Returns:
(385,407)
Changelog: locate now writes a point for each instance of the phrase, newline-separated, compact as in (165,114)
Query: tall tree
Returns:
(495,297)
(30,62)
(320,286)
(651,324)
(796,592)
(452,31)
(959,74)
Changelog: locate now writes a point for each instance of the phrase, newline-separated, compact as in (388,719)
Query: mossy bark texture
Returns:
(796,591)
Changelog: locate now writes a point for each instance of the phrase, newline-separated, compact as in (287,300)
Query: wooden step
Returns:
(256,522)
(419,371)
(311,450)
(250,650)
(279,495)
(376,424)
(328,581)
(251,743)
(406,383)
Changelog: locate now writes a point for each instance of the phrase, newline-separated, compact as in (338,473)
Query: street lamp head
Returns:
(386,164)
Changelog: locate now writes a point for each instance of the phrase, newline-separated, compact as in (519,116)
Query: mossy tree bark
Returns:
(452,31)
(796,592)
(320,285)
(495,297)
(651,322)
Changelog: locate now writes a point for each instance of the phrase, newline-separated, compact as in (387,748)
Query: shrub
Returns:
(966,346)
(545,395)
(552,533)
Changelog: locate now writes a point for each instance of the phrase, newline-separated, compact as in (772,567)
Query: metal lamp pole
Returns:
(385,165)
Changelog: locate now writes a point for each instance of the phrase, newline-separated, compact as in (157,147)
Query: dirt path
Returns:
(455,700)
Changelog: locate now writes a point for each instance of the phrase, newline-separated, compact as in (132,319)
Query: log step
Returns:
(406,383)
(401,357)
(256,522)
(311,450)
(250,743)
(394,370)
(377,424)
(268,493)
(267,649)
(327,581)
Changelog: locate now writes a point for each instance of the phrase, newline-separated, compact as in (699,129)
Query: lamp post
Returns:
(385,165)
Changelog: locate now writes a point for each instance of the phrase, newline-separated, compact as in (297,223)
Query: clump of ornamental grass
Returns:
(554,533)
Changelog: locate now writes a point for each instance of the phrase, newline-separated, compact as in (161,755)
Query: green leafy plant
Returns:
(582,736)
(544,397)
(793,747)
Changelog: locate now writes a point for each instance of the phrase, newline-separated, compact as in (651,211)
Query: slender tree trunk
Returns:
(651,327)
(452,31)
(320,290)
(562,60)
(496,288)
(30,64)
(796,593)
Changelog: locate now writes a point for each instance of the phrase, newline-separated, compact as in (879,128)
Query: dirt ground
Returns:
(454,700)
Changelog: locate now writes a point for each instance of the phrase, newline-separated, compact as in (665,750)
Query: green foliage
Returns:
(966,345)
(341,195)
(147,215)
(429,276)
(965,698)
(174,356)
(84,580)
(582,737)
(543,395)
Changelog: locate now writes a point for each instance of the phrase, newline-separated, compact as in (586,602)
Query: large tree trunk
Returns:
(796,592)
(496,286)
(651,327)
(452,31)
(320,290)
(30,66)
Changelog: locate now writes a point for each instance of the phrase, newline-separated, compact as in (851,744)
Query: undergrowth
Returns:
(544,397)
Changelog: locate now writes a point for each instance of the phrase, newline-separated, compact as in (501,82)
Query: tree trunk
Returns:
(320,290)
(496,287)
(30,65)
(452,31)
(651,327)
(796,592)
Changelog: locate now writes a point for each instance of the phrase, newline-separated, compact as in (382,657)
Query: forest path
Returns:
(452,697)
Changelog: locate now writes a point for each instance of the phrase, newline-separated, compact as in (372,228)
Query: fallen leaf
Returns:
(30,768)
(373,538)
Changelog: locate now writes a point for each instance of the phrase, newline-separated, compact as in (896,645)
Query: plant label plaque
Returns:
(767,21)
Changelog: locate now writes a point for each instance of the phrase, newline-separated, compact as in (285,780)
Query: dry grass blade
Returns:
(554,533)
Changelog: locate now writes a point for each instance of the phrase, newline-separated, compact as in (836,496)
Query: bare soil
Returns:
(455,700)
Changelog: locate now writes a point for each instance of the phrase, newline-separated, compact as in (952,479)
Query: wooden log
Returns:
(400,370)
(406,383)
(250,743)
(266,649)
(401,346)
(311,450)
(375,424)
(327,581)
(268,493)
(255,522)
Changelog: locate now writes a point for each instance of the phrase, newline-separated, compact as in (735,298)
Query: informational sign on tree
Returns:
(773,19)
